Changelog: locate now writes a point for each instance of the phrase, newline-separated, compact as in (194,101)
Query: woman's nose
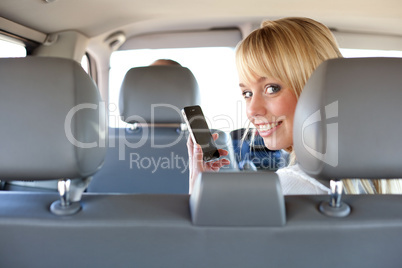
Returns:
(256,107)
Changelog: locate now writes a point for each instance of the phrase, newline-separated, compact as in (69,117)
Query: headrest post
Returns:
(65,206)
(335,207)
(63,186)
(336,193)
(183,127)
(134,126)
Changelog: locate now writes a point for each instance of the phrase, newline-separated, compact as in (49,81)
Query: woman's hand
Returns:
(197,164)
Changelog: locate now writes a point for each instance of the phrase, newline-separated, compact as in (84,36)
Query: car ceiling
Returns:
(100,17)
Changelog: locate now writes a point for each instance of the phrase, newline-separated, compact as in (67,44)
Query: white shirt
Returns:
(295,182)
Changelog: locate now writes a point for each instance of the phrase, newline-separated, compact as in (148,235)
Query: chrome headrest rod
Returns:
(64,206)
(335,207)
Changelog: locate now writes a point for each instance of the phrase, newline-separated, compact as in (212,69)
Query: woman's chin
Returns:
(275,146)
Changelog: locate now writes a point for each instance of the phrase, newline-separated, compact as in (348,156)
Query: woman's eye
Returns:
(271,89)
(247,94)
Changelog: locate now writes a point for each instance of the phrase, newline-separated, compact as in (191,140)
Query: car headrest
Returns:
(348,120)
(53,122)
(155,94)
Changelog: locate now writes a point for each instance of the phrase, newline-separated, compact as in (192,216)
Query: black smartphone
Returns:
(200,132)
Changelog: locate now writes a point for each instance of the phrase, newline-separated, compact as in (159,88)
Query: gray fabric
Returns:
(238,199)
(156,94)
(37,96)
(144,160)
(149,160)
(156,231)
(348,120)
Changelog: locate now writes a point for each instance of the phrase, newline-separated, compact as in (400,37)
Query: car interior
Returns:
(94,164)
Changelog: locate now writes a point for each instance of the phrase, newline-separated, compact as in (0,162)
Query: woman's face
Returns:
(270,108)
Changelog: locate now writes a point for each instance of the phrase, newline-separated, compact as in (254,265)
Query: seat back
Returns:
(150,155)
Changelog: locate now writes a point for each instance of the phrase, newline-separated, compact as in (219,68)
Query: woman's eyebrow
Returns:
(258,81)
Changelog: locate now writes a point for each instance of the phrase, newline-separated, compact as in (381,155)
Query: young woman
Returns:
(274,63)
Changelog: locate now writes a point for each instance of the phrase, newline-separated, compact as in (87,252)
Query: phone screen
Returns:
(200,131)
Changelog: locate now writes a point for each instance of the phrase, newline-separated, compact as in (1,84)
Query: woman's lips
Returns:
(267,129)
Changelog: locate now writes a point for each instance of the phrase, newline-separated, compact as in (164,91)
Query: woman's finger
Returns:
(215,136)
(223,152)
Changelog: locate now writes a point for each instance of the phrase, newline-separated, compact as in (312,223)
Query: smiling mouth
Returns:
(269,126)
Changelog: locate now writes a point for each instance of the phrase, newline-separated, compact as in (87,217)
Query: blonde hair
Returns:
(289,50)
(372,186)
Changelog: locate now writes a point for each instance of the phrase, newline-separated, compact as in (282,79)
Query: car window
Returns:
(10,49)
(214,69)
(85,63)
(357,53)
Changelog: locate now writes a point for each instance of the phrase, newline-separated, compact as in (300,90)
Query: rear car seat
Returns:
(150,155)
(243,220)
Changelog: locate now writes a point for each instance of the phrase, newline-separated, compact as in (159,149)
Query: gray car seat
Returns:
(53,124)
(150,155)
(253,227)
(348,125)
